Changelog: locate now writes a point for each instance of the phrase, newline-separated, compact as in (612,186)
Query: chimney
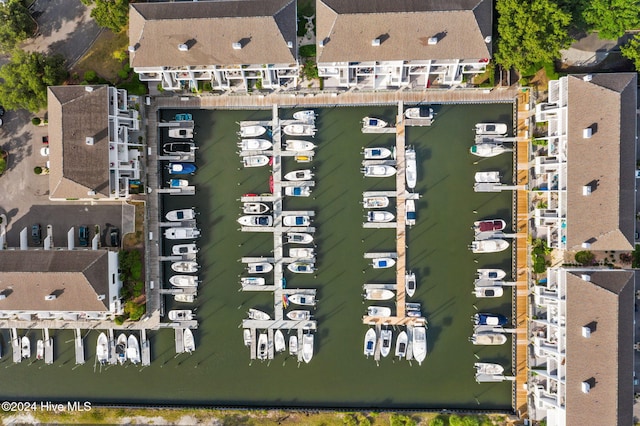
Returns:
(290,44)
(50,297)
(432,41)
(183,47)
(586,190)
(236,46)
(88,89)
(586,277)
(587,77)
(586,133)
(375,42)
(487,39)
(586,332)
(586,387)
(131,49)
(88,140)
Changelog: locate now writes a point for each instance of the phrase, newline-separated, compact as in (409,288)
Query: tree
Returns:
(611,18)
(26,78)
(16,25)
(585,257)
(531,32)
(631,51)
(112,14)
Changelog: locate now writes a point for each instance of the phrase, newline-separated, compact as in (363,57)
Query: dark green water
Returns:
(219,372)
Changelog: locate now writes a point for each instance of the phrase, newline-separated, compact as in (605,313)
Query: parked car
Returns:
(2,111)
(83,236)
(115,237)
(36,234)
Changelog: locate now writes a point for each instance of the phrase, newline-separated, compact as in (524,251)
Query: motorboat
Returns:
(184,297)
(373,123)
(488,338)
(411,168)
(181,233)
(378,294)
(181,249)
(181,133)
(256,314)
(184,116)
(188,340)
(410,283)
(380,216)
(385,341)
(262,347)
(25,347)
(179,148)
(40,349)
(259,267)
(376,153)
(301,267)
(489,246)
(382,262)
(301,253)
(487,149)
(488,368)
(180,215)
(420,113)
(488,291)
(299,175)
(410,211)
(298,315)
(254,208)
(299,130)
(302,299)
(252,131)
(255,160)
(102,349)
(303,158)
(375,202)
(378,311)
(298,238)
(297,191)
(181,315)
(413,309)
(490,319)
(492,225)
(498,129)
(121,348)
(252,281)
(491,274)
(184,280)
(487,177)
(299,146)
(419,343)
(178,183)
(293,345)
(133,349)
(256,220)
(279,344)
(306,115)
(246,337)
(307,347)
(185,266)
(370,339)
(182,168)
(377,170)
(401,344)
(296,220)
(254,144)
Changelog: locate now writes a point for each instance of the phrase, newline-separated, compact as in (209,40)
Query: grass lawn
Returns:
(100,57)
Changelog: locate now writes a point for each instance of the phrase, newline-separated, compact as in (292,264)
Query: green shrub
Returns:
(206,87)
(37,170)
(119,320)
(90,76)
(310,70)
(259,84)
(585,257)
(36,121)
(3,165)
(123,74)
(308,51)
(437,421)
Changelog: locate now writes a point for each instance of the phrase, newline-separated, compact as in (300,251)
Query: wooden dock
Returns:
(179,340)
(15,346)
(48,346)
(79,346)
(145,348)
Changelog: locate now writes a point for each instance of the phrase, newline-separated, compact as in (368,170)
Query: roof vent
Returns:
(88,89)
(290,44)
(586,387)
(183,47)
(487,39)
(432,41)
(101,297)
(88,140)
(586,133)
(375,42)
(131,49)
(50,297)
(236,46)
(586,190)
(588,77)
(585,277)
(586,332)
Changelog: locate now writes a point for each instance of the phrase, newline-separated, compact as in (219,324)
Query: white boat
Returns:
(419,343)
(252,131)
(299,175)
(185,266)
(296,220)
(133,349)
(25,347)
(380,216)
(378,294)
(306,115)
(252,281)
(179,249)
(180,215)
(301,267)
(370,342)
(488,338)
(499,129)
(178,183)
(298,315)
(246,337)
(254,208)
(370,123)
(411,168)
(488,177)
(256,220)
(376,153)
(184,280)
(259,267)
(181,233)
(410,283)
(378,311)
(299,146)
(487,149)
(386,335)
(488,368)
(279,344)
(297,191)
(121,348)
(255,160)
(490,225)
(189,341)
(39,349)
(181,315)
(262,348)
(410,211)
(298,238)
(375,202)
(299,130)
(491,274)
(102,349)
(301,253)
(307,347)
(181,133)
(184,297)
(419,113)
(378,171)
(302,299)
(401,344)
(256,314)
(382,262)
(254,144)
(482,292)
(489,246)
(293,345)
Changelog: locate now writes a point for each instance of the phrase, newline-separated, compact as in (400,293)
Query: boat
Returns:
(411,168)
(303,158)
(121,348)
(380,216)
(184,116)
(252,281)
(40,349)
(255,160)
(487,177)
(376,153)
(185,266)
(489,246)
(298,175)
(182,168)
(259,267)
(298,315)
(489,338)
(378,294)
(410,211)
(378,171)
(499,129)
(419,113)
(180,215)
(184,297)
(410,283)
(262,347)
(181,315)
(383,262)
(293,345)
(178,183)
(401,344)
(413,309)
(297,191)
(184,280)
(488,291)
(189,341)
(184,249)
(386,336)
(254,208)
(373,123)
(491,225)
(181,133)
(302,299)
(488,368)
(278,341)
(301,253)
(299,130)
(254,144)
(301,267)
(182,233)
(370,342)
(133,349)
(490,319)
(256,220)
(298,238)
(375,202)
(252,131)
(102,349)
(378,311)
(296,220)
(299,146)
(487,149)
(491,274)
(306,115)
(246,337)
(179,148)
(25,347)
(307,347)
(419,343)
(256,314)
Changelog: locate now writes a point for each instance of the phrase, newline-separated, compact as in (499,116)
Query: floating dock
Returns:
(79,346)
